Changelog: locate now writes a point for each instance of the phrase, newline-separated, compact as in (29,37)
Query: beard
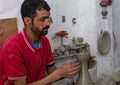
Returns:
(39,32)
(45,30)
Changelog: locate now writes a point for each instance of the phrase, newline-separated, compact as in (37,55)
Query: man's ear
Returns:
(27,20)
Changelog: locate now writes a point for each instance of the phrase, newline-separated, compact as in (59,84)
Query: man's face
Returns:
(41,22)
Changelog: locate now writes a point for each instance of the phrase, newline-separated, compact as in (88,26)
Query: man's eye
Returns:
(42,20)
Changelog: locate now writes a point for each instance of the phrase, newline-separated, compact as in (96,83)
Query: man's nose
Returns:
(47,22)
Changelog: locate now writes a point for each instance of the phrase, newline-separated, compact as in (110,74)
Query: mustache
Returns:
(46,27)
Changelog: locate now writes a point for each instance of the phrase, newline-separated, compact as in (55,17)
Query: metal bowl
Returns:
(104,42)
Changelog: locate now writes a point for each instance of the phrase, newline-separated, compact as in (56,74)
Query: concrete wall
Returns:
(105,62)
(116,31)
(85,15)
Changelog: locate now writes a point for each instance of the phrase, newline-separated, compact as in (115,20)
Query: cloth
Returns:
(22,60)
(1,69)
(35,44)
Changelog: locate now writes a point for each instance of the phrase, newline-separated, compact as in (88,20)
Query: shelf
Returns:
(63,56)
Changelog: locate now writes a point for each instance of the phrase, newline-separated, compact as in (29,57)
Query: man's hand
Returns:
(92,62)
(69,70)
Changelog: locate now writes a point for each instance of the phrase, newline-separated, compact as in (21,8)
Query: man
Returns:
(27,55)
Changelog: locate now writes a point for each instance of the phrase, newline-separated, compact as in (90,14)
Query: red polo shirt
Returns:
(22,60)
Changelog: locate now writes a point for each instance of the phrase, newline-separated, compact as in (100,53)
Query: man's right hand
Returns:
(69,70)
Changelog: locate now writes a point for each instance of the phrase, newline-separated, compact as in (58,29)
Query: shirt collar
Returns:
(28,42)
